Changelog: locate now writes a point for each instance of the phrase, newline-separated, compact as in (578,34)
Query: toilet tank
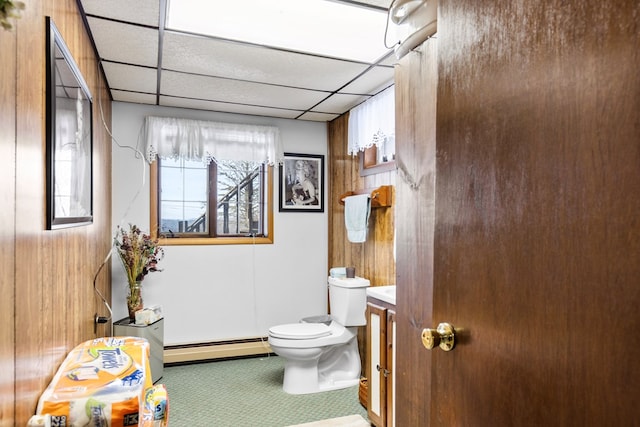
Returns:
(348,300)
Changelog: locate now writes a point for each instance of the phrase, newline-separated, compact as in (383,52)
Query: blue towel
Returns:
(356,217)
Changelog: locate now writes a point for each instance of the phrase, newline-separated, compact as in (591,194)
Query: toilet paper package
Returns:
(101,382)
(156,407)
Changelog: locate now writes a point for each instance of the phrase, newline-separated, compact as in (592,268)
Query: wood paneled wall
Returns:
(373,259)
(48,301)
(7,222)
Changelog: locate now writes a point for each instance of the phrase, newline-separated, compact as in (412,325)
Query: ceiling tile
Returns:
(221,58)
(378,3)
(140,48)
(318,117)
(389,61)
(371,82)
(145,12)
(210,73)
(339,103)
(240,92)
(138,98)
(197,104)
(131,77)
(334,29)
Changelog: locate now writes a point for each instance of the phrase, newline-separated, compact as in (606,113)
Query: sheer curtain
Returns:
(373,122)
(204,140)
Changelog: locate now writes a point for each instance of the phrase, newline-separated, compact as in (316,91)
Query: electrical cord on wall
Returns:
(386,28)
(139,155)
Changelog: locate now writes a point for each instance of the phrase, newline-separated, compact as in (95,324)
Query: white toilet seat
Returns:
(300,331)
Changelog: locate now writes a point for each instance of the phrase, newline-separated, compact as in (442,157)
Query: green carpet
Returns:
(247,393)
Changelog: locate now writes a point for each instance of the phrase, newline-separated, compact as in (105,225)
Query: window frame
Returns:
(225,240)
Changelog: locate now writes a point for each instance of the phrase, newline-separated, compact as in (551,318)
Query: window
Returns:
(372,133)
(199,198)
(224,202)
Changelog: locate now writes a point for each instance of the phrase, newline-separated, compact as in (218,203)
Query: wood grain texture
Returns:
(55,302)
(373,259)
(7,223)
(416,88)
(537,238)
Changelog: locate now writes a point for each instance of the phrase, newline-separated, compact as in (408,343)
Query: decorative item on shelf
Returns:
(140,255)
(9,9)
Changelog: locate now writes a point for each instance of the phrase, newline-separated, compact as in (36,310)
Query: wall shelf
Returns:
(380,196)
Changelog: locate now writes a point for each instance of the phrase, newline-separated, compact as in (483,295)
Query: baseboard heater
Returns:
(200,352)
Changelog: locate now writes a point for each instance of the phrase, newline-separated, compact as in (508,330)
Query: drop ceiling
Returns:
(146,61)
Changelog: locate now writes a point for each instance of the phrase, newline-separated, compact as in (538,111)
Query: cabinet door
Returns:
(376,365)
(391,368)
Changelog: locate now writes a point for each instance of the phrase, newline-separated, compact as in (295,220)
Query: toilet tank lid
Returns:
(343,282)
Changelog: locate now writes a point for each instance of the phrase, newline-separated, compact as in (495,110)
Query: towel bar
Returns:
(380,196)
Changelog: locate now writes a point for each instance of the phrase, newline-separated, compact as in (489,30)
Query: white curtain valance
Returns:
(172,138)
(373,122)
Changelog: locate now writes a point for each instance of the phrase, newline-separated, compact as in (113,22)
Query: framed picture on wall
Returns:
(69,144)
(302,183)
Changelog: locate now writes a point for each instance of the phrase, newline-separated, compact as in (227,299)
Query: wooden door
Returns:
(416,84)
(534,248)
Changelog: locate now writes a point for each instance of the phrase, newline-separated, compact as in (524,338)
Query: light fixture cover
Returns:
(415,21)
(333,29)
(401,9)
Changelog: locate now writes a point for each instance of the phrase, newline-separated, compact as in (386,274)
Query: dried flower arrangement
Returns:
(140,255)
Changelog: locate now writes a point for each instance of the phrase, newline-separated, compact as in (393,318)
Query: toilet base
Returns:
(330,369)
(300,379)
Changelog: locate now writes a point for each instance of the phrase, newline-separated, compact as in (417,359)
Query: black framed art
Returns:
(302,183)
(69,144)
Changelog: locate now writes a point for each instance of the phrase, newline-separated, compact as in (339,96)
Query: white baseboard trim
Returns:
(212,351)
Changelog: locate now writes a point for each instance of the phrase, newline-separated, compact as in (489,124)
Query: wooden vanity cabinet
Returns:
(381,328)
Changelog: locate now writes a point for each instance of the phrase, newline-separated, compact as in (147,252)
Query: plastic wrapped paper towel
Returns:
(104,382)
(338,272)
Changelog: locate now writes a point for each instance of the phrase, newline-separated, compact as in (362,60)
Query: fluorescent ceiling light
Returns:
(321,27)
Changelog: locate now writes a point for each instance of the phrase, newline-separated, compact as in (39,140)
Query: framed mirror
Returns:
(69,144)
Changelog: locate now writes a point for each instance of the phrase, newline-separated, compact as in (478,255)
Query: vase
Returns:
(134,300)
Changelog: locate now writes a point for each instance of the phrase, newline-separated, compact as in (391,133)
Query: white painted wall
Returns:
(212,293)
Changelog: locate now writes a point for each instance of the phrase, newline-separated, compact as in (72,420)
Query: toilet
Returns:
(323,355)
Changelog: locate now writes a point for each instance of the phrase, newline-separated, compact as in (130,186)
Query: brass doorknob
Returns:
(444,337)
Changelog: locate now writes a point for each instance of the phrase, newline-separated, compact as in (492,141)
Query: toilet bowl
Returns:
(320,356)
(317,357)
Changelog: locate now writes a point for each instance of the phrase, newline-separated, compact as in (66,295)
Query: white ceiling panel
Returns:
(248,72)
(371,82)
(137,98)
(131,77)
(390,61)
(379,3)
(240,92)
(197,104)
(318,117)
(339,103)
(144,12)
(125,43)
(220,58)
